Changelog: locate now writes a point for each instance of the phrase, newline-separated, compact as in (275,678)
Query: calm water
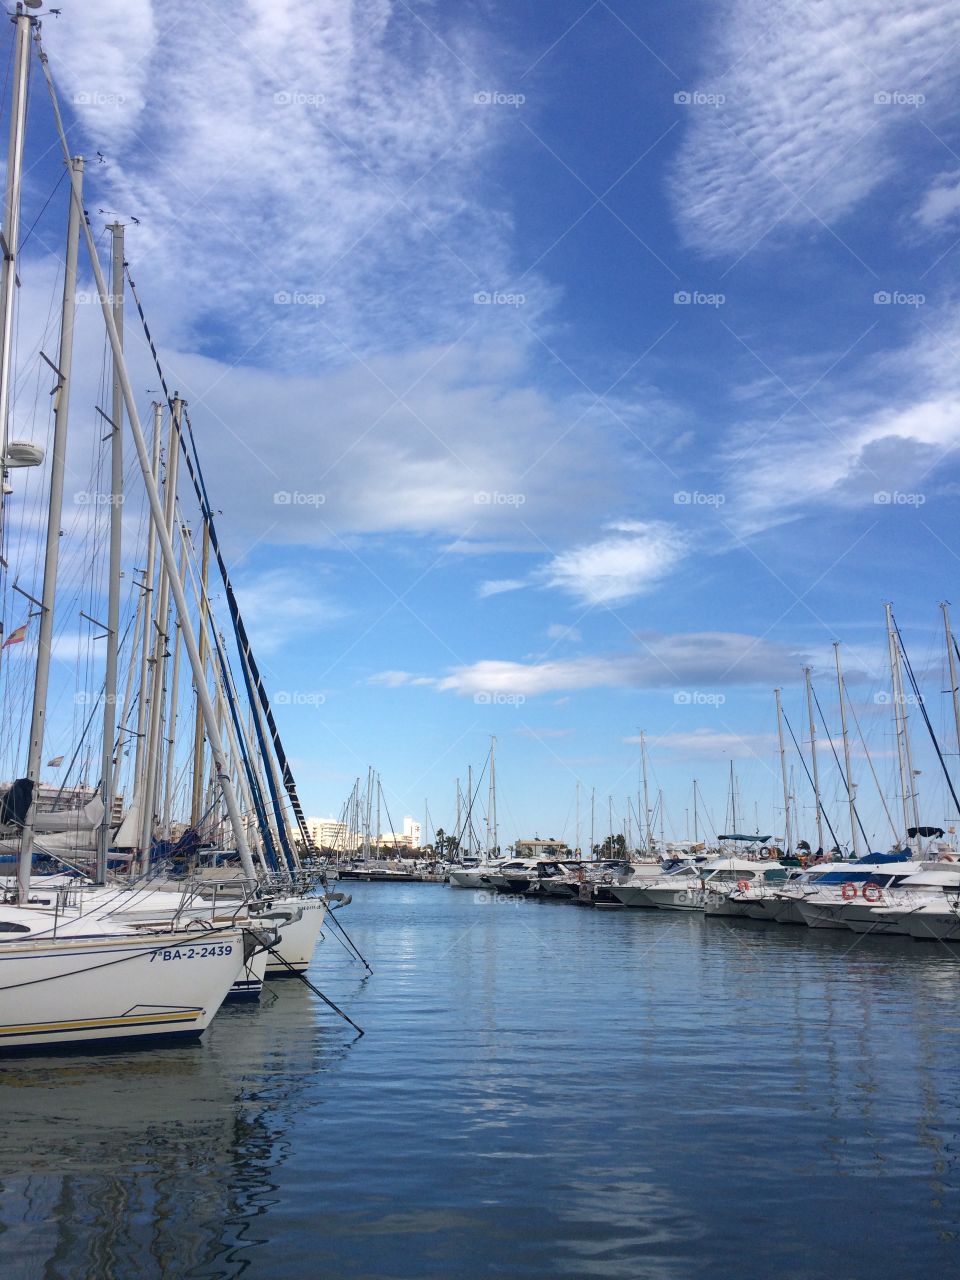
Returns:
(542,1091)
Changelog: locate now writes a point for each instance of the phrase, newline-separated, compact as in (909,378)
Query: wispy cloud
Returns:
(940,206)
(877,438)
(813,100)
(627,561)
(498,586)
(693,661)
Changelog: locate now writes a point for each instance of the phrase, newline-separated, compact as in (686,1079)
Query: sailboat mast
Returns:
(54,520)
(11,229)
(492,802)
(899,726)
(470,810)
(593,808)
(696,838)
(577,845)
(114,567)
(813,757)
(855,844)
(196,799)
(160,649)
(157,513)
(952,668)
(646,791)
(788,842)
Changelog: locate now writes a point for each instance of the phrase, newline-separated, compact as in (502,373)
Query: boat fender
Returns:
(848,890)
(875,894)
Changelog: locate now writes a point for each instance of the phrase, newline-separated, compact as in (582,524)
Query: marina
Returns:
(541,1091)
(364,453)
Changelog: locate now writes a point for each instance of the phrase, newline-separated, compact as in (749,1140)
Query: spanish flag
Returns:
(18,636)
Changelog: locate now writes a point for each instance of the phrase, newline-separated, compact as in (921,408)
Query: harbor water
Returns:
(542,1091)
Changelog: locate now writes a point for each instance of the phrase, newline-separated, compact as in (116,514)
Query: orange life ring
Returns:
(848,890)
(876,893)
(743,884)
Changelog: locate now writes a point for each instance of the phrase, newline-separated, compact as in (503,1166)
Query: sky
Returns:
(560,371)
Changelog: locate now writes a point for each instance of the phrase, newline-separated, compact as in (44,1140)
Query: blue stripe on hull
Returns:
(105,1044)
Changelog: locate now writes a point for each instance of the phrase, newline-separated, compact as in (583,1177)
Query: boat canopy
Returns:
(746,839)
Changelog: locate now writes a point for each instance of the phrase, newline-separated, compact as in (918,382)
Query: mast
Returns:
(11,231)
(149,603)
(899,720)
(952,667)
(733,802)
(851,790)
(696,838)
(115,566)
(813,758)
(156,509)
(161,623)
(788,842)
(577,846)
(492,802)
(646,792)
(470,810)
(196,801)
(172,725)
(593,806)
(54,518)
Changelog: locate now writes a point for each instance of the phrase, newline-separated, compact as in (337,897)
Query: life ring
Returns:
(875,894)
(848,890)
(743,884)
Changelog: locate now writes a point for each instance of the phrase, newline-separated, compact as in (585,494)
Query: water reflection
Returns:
(542,1091)
(155,1163)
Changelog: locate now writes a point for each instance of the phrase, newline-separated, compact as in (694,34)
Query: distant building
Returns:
(330,833)
(408,838)
(537,848)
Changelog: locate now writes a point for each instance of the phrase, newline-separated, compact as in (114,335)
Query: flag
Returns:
(55,763)
(18,636)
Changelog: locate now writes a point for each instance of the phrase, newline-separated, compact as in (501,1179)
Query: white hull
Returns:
(76,991)
(466,878)
(821,915)
(249,982)
(675,899)
(298,939)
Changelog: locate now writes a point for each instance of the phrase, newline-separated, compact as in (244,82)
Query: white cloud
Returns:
(626,562)
(940,206)
(280,606)
(697,660)
(560,631)
(799,136)
(333,150)
(875,441)
(398,679)
(498,586)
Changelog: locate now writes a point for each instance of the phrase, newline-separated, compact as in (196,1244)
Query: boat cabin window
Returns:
(8,926)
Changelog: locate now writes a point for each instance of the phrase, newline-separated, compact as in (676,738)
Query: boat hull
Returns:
(298,938)
(55,995)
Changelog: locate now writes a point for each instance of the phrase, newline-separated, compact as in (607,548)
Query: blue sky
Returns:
(560,369)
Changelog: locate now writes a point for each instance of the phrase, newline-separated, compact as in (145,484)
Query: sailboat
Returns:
(66,983)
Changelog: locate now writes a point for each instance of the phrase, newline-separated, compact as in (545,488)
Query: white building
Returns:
(330,833)
(408,838)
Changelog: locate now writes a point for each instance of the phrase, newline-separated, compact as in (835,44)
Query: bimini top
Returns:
(746,839)
(884,857)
